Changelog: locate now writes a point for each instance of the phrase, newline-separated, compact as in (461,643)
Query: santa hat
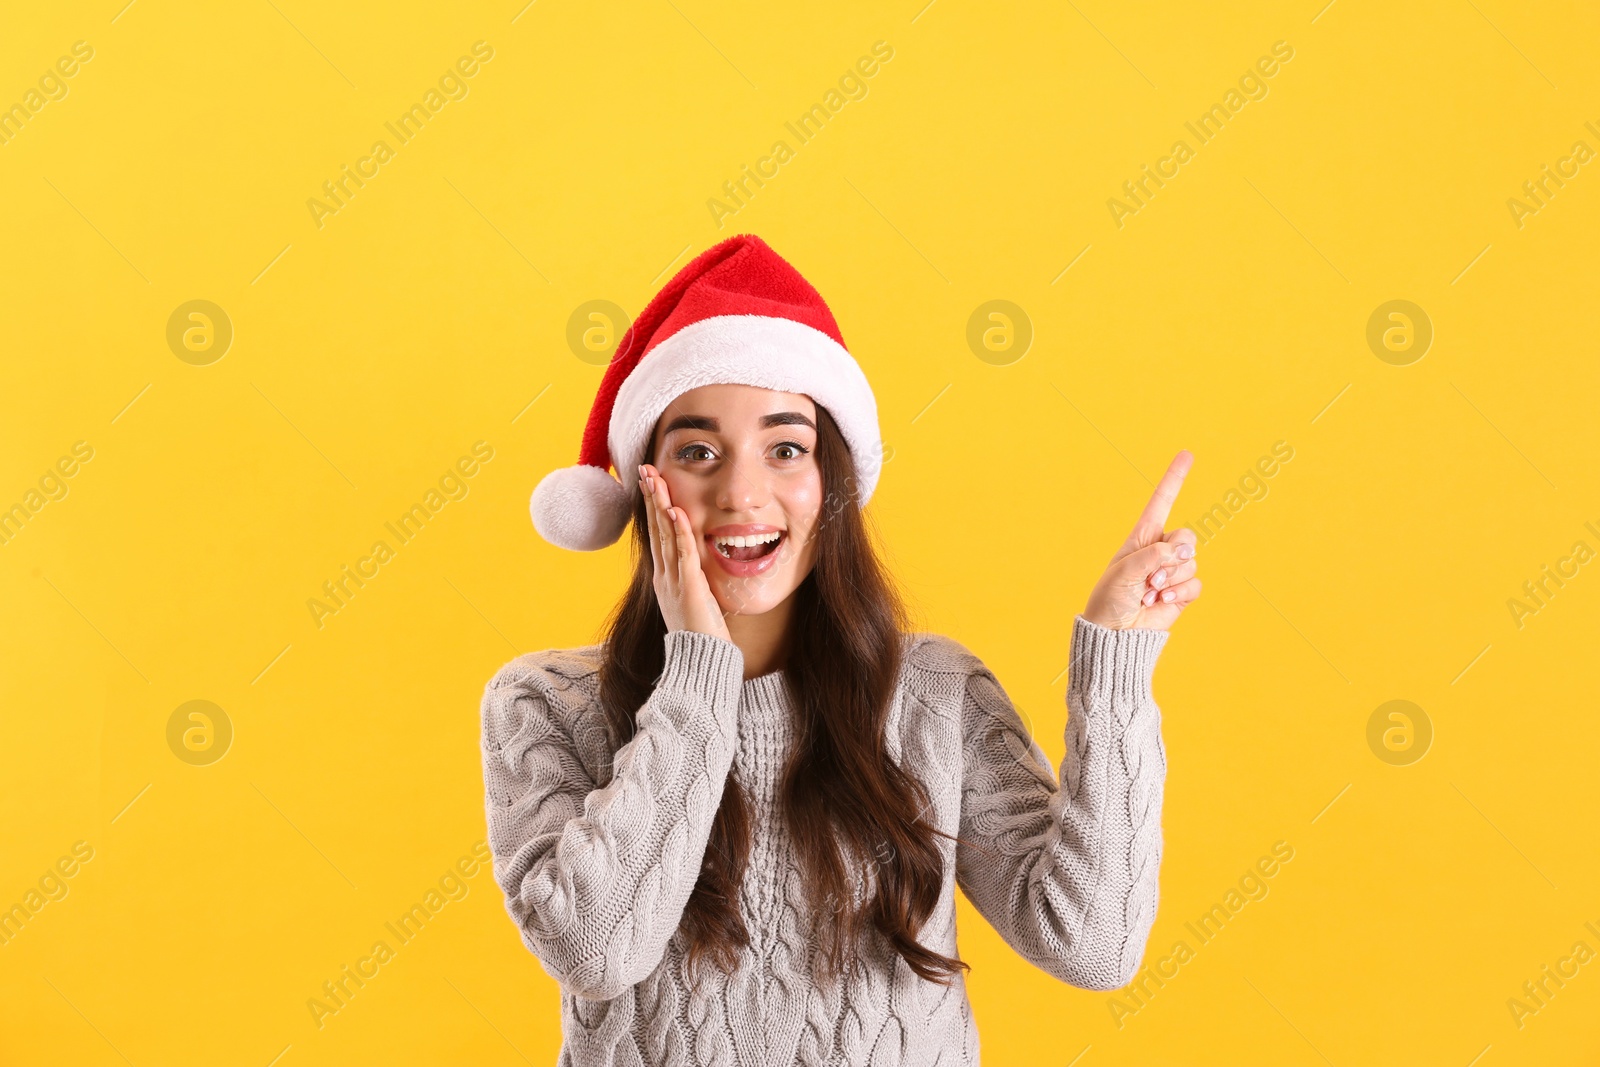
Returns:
(738,314)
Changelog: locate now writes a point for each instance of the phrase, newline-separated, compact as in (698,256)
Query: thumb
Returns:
(1140,565)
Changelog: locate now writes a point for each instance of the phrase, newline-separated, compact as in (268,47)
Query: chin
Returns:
(756,595)
(752,602)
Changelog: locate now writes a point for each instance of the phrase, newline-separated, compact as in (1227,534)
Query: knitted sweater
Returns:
(597,851)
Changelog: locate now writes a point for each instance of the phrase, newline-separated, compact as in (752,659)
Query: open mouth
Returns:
(752,546)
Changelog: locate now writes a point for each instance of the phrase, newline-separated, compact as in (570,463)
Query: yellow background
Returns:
(369,354)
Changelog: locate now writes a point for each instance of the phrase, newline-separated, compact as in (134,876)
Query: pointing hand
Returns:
(1151,577)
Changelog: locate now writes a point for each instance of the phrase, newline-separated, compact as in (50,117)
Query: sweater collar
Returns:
(766,691)
(764,706)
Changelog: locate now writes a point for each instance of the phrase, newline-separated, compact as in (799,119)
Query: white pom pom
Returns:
(582,508)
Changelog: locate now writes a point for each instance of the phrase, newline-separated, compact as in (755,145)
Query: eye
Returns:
(795,448)
(687,452)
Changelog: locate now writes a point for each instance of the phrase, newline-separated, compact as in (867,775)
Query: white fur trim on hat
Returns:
(582,508)
(761,350)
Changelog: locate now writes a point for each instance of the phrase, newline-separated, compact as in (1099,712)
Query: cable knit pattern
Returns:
(598,851)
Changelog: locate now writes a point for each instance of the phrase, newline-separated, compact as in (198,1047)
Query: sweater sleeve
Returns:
(597,878)
(1066,869)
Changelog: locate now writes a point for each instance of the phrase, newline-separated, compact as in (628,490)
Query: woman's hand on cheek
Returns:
(682,590)
(1151,578)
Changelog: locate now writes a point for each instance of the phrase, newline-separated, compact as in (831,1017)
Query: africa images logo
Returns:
(452,85)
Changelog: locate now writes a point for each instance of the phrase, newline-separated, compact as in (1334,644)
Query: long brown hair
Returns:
(844,799)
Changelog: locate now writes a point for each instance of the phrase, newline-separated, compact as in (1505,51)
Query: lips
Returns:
(745,561)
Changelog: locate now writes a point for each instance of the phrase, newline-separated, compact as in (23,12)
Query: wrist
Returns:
(699,661)
(1100,621)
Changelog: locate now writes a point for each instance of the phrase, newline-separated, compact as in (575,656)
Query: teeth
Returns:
(746,541)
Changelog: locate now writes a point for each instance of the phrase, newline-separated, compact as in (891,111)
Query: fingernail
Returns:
(1149,598)
(1167,596)
(1159,578)
(1185,550)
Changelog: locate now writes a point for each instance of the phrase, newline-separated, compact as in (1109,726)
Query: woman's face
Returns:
(741,462)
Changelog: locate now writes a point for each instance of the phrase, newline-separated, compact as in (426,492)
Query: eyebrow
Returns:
(710,424)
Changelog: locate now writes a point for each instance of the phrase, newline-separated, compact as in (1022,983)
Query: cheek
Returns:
(683,492)
(802,504)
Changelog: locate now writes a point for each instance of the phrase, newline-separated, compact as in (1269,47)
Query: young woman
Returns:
(732,830)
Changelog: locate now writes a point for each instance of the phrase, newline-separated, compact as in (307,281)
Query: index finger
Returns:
(1161,501)
(652,522)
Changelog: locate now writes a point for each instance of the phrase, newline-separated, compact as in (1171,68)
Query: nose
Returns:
(741,488)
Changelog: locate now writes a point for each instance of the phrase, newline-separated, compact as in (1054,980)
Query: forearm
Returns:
(1114,778)
(598,880)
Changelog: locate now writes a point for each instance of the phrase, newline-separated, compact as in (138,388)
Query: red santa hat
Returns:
(737,314)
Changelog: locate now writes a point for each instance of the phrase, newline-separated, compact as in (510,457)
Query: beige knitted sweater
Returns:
(597,852)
